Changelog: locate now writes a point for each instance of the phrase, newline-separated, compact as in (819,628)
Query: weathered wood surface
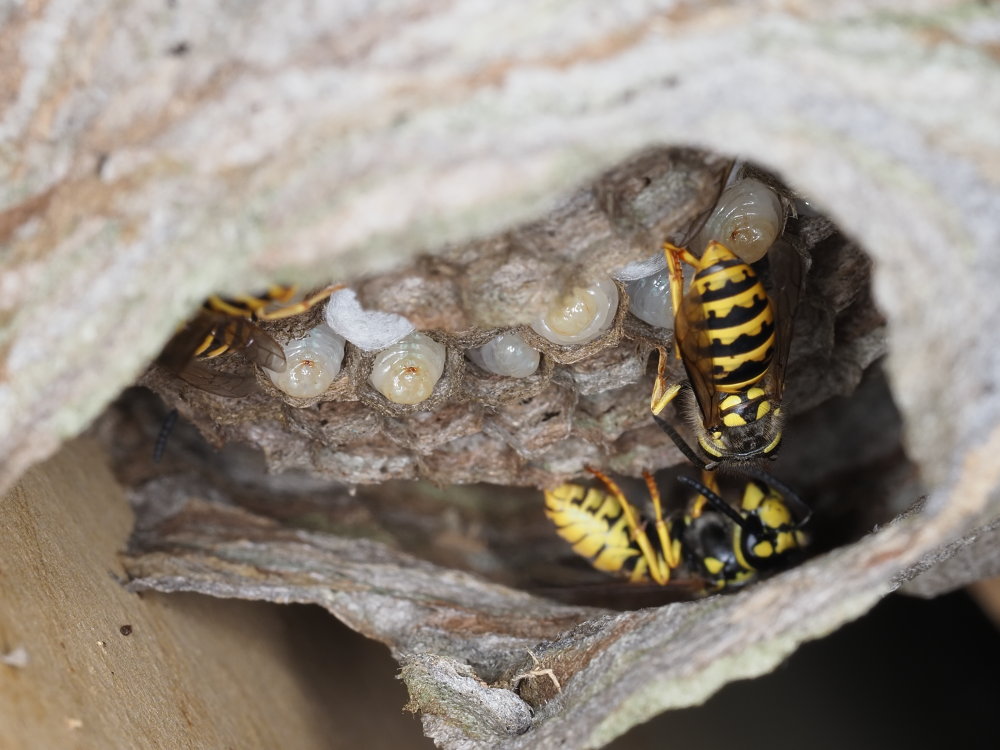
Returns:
(191,672)
(463,641)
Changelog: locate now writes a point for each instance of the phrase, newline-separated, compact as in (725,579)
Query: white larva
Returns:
(747,219)
(640,269)
(506,354)
(312,363)
(407,371)
(649,300)
(581,315)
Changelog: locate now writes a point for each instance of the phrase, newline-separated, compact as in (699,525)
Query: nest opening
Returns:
(585,405)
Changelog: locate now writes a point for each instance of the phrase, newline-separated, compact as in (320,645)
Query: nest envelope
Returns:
(144,187)
(279,499)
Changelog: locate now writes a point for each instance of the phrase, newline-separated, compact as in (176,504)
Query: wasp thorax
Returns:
(580,316)
(747,219)
(506,354)
(407,371)
(312,363)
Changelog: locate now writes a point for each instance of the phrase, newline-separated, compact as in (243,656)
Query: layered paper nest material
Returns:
(587,404)
(203,150)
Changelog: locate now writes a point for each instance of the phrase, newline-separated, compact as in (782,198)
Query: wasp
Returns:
(710,542)
(733,339)
(229,324)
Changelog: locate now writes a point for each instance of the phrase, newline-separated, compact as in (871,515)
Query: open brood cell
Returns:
(586,401)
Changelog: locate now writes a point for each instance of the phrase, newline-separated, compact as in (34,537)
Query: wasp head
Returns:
(744,442)
(769,534)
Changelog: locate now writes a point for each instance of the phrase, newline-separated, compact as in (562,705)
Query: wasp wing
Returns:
(695,344)
(236,334)
(181,349)
(731,172)
(788,268)
(225,384)
(258,345)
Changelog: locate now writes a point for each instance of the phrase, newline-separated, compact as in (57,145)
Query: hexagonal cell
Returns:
(591,397)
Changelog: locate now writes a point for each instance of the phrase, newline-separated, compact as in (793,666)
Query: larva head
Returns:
(581,315)
(748,218)
(407,371)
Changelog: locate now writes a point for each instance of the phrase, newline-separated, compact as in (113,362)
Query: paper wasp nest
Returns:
(549,283)
(467,188)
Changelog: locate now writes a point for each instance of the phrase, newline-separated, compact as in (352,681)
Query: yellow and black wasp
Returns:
(710,543)
(229,324)
(733,338)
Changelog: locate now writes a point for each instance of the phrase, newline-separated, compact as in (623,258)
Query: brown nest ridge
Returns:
(465,186)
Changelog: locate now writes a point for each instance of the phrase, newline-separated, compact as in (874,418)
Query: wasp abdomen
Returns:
(739,321)
(594,523)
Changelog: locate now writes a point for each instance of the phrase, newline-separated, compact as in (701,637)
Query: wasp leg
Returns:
(697,505)
(682,446)
(671,547)
(278,296)
(222,305)
(663,393)
(203,347)
(287,311)
(675,256)
(659,571)
(229,334)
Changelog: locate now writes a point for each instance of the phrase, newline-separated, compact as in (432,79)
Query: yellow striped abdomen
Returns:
(593,522)
(738,334)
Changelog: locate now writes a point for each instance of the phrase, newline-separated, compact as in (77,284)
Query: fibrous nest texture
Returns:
(587,403)
(461,165)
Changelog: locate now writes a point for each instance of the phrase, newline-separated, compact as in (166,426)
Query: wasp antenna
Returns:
(161,439)
(682,446)
(716,502)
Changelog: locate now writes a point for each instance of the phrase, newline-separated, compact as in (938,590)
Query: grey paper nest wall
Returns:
(152,157)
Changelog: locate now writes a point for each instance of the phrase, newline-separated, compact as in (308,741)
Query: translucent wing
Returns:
(225,384)
(695,344)
(730,173)
(788,271)
(231,334)
(258,345)
(180,350)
